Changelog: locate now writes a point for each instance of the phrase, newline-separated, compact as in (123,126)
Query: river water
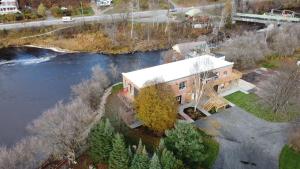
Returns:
(32,80)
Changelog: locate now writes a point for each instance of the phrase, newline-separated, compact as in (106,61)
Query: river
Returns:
(32,80)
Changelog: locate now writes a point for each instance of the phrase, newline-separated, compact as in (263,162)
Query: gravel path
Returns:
(246,142)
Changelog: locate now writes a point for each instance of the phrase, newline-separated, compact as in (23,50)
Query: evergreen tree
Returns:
(154,163)
(140,159)
(186,143)
(119,158)
(168,160)
(100,141)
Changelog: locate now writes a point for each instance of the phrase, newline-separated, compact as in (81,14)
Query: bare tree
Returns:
(26,154)
(114,71)
(201,71)
(285,40)
(172,56)
(60,131)
(90,91)
(63,126)
(246,50)
(282,87)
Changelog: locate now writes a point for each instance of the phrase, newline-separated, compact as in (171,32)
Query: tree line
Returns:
(182,148)
(59,132)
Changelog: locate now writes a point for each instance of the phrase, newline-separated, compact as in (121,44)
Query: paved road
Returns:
(158,14)
(246,142)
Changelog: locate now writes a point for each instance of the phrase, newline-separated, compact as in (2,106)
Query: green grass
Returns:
(117,88)
(212,151)
(289,158)
(252,104)
(270,64)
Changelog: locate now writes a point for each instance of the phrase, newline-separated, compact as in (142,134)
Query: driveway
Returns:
(246,142)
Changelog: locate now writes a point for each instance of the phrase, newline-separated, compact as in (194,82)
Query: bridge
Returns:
(275,17)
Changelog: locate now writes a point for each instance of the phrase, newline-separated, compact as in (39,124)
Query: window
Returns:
(182,85)
(222,86)
(225,73)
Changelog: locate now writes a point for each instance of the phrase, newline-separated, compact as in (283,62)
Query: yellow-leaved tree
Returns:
(156,107)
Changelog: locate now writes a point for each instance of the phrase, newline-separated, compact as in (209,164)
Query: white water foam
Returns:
(28,61)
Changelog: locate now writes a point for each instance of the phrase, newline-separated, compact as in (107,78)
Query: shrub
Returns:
(41,11)
(56,11)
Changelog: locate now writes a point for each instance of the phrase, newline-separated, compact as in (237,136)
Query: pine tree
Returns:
(154,163)
(168,160)
(140,159)
(100,141)
(186,143)
(119,158)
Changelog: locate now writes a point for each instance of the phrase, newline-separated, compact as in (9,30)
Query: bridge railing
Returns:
(279,18)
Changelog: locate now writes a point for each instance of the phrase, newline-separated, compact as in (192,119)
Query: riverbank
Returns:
(109,38)
(55,49)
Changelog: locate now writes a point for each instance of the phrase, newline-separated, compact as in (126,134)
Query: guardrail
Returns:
(264,18)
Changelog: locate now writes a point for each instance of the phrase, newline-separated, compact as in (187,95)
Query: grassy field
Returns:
(289,159)
(252,103)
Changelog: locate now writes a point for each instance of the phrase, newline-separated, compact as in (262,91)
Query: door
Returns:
(216,88)
(179,98)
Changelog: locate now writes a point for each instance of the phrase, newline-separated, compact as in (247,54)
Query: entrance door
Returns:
(179,98)
(216,88)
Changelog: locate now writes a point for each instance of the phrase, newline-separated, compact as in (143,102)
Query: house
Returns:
(8,6)
(180,76)
(185,48)
(197,18)
(193,13)
(103,2)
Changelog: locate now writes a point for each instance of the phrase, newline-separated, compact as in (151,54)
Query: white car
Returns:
(67,19)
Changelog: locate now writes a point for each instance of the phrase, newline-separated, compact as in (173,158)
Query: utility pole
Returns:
(81,8)
(131,33)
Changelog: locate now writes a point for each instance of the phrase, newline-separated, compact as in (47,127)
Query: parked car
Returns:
(67,19)
(173,10)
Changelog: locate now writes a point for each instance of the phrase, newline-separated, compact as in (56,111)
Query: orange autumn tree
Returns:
(156,106)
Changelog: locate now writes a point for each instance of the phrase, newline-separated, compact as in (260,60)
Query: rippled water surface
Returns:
(33,80)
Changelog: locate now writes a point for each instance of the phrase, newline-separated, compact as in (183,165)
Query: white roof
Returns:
(193,12)
(185,48)
(175,70)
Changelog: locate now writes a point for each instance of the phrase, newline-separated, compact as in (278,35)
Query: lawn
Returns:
(212,152)
(252,104)
(117,88)
(289,158)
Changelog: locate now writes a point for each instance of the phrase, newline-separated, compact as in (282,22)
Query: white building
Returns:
(103,2)
(8,6)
